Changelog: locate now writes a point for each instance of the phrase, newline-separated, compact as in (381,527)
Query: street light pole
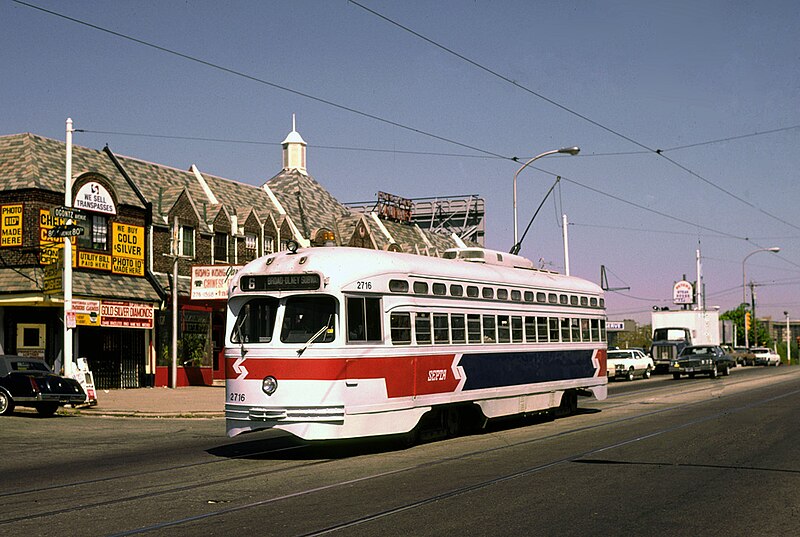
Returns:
(788,341)
(565,150)
(774,250)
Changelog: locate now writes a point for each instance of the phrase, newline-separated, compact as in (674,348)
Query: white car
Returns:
(628,363)
(765,356)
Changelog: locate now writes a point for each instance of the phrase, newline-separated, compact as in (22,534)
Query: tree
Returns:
(756,328)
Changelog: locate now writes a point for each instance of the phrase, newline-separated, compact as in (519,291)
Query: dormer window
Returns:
(221,247)
(186,241)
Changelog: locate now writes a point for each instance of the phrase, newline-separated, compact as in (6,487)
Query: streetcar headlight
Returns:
(269,385)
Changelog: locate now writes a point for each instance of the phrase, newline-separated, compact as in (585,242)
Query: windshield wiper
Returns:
(237,328)
(315,336)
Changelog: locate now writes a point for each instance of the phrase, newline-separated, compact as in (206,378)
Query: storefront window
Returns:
(95,233)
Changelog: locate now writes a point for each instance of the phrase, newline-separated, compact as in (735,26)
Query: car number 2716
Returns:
(236,398)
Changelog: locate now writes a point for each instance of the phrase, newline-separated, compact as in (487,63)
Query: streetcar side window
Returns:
(363,319)
(528,296)
(456,290)
(474,328)
(593,302)
(541,330)
(441,329)
(401,328)
(540,297)
(530,329)
(422,327)
(553,328)
(307,316)
(489,332)
(256,321)
(565,329)
(596,330)
(488,292)
(585,333)
(573,300)
(439,289)
(457,328)
(602,329)
(472,291)
(516,296)
(398,286)
(516,329)
(575,328)
(552,298)
(421,288)
(503,329)
(502,294)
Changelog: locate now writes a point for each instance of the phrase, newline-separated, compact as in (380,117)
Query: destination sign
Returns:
(68,213)
(64,231)
(280,282)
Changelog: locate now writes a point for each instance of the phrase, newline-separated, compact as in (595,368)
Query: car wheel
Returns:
(676,376)
(46,410)
(726,371)
(647,373)
(629,376)
(713,373)
(6,404)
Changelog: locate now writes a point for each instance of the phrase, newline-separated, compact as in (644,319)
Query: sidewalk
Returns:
(186,402)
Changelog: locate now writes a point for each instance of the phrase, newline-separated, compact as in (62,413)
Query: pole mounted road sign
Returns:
(68,213)
(64,231)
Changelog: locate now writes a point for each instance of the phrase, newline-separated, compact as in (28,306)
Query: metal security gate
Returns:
(116,356)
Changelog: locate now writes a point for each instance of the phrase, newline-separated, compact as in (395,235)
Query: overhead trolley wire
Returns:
(514,83)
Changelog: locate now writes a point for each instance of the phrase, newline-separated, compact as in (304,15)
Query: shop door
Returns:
(116,356)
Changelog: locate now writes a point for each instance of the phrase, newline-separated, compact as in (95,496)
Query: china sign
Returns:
(211,282)
(683,293)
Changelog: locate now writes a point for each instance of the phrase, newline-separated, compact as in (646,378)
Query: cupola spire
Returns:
(294,150)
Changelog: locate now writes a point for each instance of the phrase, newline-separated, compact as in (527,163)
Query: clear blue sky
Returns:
(660,75)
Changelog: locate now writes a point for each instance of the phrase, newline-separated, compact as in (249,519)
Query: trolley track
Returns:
(210,484)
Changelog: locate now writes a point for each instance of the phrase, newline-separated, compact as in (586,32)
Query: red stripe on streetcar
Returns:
(404,375)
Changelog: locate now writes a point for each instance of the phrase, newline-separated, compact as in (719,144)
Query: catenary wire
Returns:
(514,83)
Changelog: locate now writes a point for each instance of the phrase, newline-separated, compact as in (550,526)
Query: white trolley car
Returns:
(330,343)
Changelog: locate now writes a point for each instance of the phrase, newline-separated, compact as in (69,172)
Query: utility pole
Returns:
(754,323)
(67,257)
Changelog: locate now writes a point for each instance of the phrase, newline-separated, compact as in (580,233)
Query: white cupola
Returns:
(294,151)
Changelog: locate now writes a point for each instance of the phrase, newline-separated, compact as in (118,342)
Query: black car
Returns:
(29,382)
(708,360)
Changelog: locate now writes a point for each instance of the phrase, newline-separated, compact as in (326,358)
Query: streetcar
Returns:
(330,343)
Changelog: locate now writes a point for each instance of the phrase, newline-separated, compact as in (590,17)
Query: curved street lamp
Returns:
(565,150)
(774,250)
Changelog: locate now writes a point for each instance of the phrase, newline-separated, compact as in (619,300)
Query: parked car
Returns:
(743,356)
(708,360)
(29,382)
(765,356)
(628,363)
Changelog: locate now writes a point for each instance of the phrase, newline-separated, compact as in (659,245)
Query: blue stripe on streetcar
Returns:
(495,370)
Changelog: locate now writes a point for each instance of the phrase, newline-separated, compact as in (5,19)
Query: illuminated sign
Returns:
(280,282)
(11,225)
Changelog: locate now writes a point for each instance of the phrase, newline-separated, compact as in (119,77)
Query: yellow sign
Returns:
(53,278)
(94,261)
(51,246)
(87,312)
(11,225)
(127,241)
(129,267)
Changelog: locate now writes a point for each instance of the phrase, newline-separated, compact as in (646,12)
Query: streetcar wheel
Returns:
(46,410)
(452,421)
(569,404)
(6,404)
(647,373)
(629,376)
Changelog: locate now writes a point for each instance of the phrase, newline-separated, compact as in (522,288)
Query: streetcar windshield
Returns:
(305,316)
(256,321)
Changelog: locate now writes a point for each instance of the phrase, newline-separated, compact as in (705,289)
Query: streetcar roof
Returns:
(342,265)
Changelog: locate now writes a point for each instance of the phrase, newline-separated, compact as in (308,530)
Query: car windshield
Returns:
(256,321)
(25,365)
(693,351)
(617,354)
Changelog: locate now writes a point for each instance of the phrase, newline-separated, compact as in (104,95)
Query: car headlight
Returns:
(269,385)
(674,364)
